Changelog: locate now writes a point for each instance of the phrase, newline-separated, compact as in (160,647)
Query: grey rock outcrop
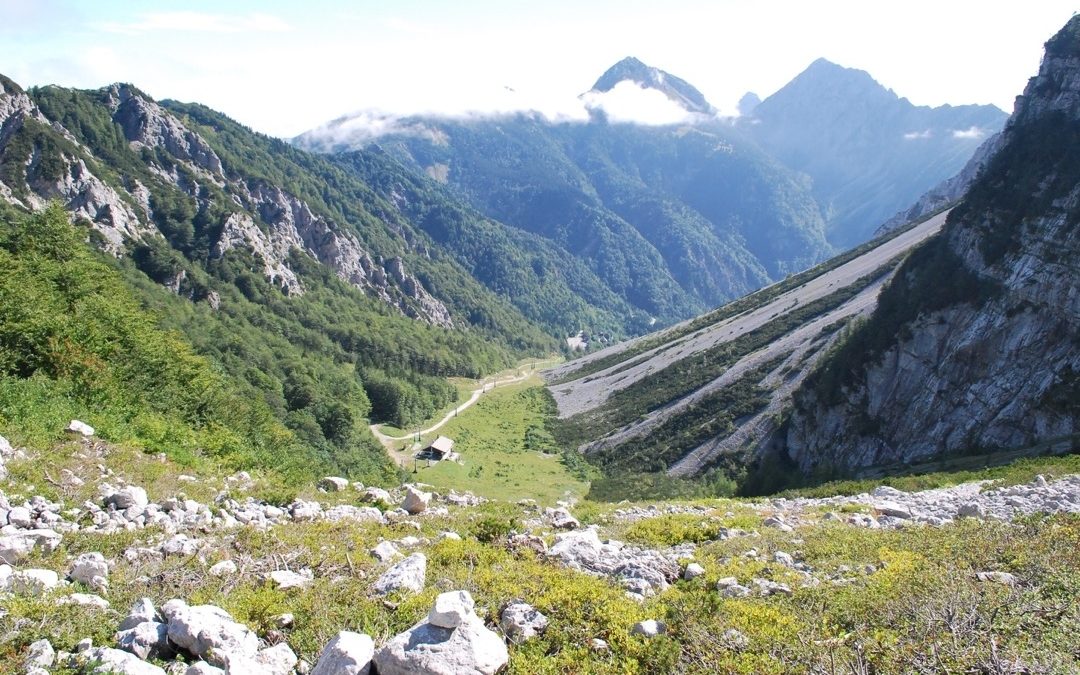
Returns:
(994,367)
(466,648)
(347,654)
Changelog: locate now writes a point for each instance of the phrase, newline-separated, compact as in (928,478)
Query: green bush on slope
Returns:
(74,342)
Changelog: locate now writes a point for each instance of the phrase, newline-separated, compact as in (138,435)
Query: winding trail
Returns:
(401,456)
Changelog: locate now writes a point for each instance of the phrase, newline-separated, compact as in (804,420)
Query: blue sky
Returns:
(284,67)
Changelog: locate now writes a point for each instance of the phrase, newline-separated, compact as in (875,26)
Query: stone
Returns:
(971,510)
(333,484)
(426,649)
(140,612)
(146,640)
(893,510)
(767,588)
(599,645)
(40,654)
(649,628)
(203,668)
(521,621)
(180,544)
(83,644)
(284,620)
(286,579)
(452,536)
(208,632)
(451,609)
(33,582)
(276,660)
(562,520)
(409,574)
(127,497)
(84,600)
(80,428)
(735,640)
(998,578)
(693,571)
(347,653)
(385,551)
(222,569)
(784,559)
(20,517)
(301,510)
(376,495)
(118,662)
(360,514)
(16,547)
(730,587)
(415,501)
(777,522)
(91,569)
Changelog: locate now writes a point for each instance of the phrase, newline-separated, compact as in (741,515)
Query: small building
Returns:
(441,448)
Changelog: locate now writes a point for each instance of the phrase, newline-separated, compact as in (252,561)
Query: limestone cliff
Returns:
(43,161)
(975,346)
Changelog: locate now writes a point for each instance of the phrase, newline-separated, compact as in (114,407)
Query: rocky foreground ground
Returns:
(44,542)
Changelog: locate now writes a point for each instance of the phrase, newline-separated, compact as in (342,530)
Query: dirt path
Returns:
(402,456)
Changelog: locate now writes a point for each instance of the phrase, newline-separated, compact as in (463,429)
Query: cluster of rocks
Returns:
(206,640)
(895,508)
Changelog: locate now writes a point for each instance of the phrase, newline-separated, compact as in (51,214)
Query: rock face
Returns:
(981,348)
(347,654)
(467,648)
(121,208)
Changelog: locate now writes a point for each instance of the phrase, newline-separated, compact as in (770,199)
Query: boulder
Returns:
(451,609)
(385,551)
(520,621)
(562,520)
(347,654)
(222,569)
(142,611)
(361,514)
(208,632)
(998,578)
(84,600)
(376,495)
(20,517)
(286,579)
(649,628)
(40,654)
(147,640)
(333,484)
(104,660)
(180,544)
(203,668)
(427,649)
(15,547)
(767,588)
(416,501)
(91,569)
(33,582)
(79,428)
(730,587)
(127,497)
(693,571)
(276,660)
(409,574)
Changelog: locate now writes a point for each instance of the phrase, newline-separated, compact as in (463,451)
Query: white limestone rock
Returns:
(80,428)
(347,654)
(410,574)
(521,621)
(416,501)
(427,649)
(451,609)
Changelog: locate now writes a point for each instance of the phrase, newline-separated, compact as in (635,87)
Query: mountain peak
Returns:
(631,69)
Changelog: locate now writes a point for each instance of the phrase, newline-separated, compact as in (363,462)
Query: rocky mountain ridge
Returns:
(676,89)
(986,320)
(868,152)
(124,215)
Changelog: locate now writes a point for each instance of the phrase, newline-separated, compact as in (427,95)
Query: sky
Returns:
(283,67)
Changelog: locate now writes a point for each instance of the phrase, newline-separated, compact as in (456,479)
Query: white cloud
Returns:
(971,132)
(912,135)
(629,102)
(198,22)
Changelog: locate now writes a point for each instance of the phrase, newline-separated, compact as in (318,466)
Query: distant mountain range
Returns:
(676,218)
(869,152)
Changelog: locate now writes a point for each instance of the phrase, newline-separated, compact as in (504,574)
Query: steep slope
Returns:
(310,291)
(702,396)
(673,219)
(976,344)
(868,152)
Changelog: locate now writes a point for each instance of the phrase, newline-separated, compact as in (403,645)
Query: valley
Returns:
(627,384)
